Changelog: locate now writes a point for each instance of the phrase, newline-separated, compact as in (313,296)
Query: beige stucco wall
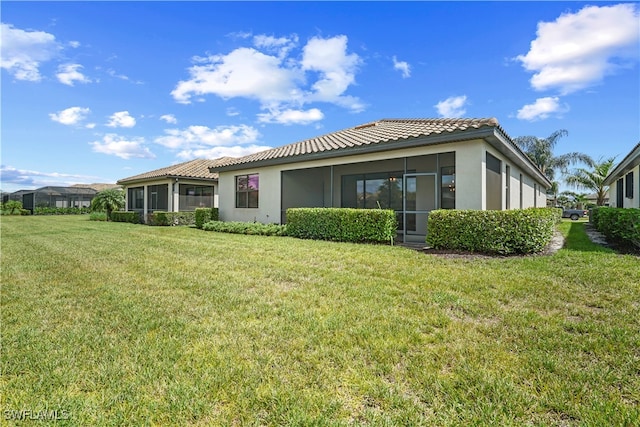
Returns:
(470,179)
(626,202)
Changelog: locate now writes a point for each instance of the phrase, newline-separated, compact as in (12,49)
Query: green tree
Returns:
(108,201)
(540,151)
(593,178)
(12,206)
(575,200)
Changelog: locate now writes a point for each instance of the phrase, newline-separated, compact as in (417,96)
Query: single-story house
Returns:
(178,188)
(624,181)
(412,166)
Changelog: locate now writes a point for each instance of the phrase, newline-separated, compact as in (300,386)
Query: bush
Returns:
(522,231)
(171,218)
(342,224)
(126,216)
(203,215)
(98,216)
(12,207)
(25,212)
(46,210)
(254,228)
(619,225)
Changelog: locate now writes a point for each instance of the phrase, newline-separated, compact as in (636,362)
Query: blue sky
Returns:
(95,92)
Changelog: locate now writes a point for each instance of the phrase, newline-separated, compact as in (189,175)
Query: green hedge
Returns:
(205,215)
(60,211)
(618,224)
(342,224)
(122,216)
(254,228)
(521,231)
(171,218)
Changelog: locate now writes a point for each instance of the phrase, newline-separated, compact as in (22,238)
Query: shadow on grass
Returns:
(578,240)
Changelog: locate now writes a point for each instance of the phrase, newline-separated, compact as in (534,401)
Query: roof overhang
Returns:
(491,135)
(629,162)
(163,178)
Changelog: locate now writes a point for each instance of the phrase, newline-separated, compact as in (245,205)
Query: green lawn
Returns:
(120,324)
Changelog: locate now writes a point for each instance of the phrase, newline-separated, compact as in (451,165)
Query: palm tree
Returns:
(592,179)
(553,191)
(108,200)
(540,151)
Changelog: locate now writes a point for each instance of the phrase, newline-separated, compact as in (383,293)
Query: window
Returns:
(620,193)
(521,191)
(507,188)
(136,198)
(628,188)
(448,187)
(372,191)
(247,188)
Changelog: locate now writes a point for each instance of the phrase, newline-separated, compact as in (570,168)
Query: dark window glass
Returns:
(629,185)
(448,188)
(247,191)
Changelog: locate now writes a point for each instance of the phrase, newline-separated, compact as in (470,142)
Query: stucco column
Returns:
(145,205)
(176,196)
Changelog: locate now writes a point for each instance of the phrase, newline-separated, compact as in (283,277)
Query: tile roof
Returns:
(369,134)
(198,168)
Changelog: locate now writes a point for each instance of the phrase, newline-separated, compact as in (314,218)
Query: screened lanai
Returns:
(411,186)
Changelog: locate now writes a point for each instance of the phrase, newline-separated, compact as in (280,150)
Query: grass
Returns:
(121,324)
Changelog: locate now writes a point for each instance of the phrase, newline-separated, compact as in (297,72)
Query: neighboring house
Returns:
(182,187)
(55,197)
(624,181)
(412,166)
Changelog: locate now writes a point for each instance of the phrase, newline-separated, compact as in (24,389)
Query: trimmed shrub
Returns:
(342,224)
(521,231)
(25,212)
(171,218)
(619,225)
(126,216)
(45,210)
(253,228)
(203,215)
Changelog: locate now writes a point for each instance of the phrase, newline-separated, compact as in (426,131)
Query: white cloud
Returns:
(542,109)
(169,118)
(452,106)
(74,44)
(122,147)
(232,112)
(204,142)
(68,74)
(337,70)
(279,45)
(403,67)
(70,116)
(289,116)
(121,119)
(245,72)
(24,178)
(23,51)
(578,49)
(198,137)
(280,81)
(217,152)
